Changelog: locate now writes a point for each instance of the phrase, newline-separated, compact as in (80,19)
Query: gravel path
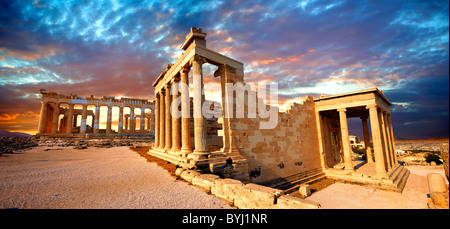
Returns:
(93,178)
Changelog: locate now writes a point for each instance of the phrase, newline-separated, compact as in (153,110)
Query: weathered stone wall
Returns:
(290,148)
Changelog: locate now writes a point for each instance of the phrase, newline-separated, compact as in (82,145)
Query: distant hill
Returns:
(5,133)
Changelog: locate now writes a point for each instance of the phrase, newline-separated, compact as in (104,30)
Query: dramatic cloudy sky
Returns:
(118,48)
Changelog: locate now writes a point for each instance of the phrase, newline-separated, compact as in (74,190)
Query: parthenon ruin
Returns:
(51,125)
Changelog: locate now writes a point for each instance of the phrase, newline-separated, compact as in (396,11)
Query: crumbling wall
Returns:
(290,148)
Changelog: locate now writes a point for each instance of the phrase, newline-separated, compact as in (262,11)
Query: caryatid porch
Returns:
(51,109)
(172,129)
(371,106)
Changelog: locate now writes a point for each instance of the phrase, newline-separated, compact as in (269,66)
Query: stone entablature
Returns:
(67,127)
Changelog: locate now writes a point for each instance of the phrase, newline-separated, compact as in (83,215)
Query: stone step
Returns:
(403,180)
(302,180)
(291,178)
(292,189)
(401,177)
(395,171)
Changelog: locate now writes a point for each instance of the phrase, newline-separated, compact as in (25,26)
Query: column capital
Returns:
(176,78)
(199,59)
(185,69)
(341,110)
(371,106)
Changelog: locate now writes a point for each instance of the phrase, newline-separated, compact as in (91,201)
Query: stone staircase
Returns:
(291,183)
(398,176)
(394,181)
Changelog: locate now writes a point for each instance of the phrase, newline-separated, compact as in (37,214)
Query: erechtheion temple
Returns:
(309,141)
(51,124)
(251,141)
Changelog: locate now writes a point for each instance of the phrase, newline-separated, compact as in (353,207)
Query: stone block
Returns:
(436,183)
(178,171)
(226,188)
(440,200)
(188,175)
(304,190)
(290,202)
(253,196)
(205,181)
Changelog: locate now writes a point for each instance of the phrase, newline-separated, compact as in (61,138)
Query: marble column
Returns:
(345,140)
(42,118)
(126,123)
(168,119)
(108,120)
(120,124)
(97,119)
(55,118)
(157,98)
(162,120)
(380,168)
(83,119)
(388,141)
(201,147)
(142,130)
(383,139)
(176,120)
(185,112)
(69,119)
(132,121)
(367,139)
(392,138)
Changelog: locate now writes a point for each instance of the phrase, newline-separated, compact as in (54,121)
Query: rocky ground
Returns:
(94,177)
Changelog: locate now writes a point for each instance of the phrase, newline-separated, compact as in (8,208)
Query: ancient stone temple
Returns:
(260,144)
(51,124)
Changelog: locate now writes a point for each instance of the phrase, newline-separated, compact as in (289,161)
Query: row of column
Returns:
(83,126)
(382,137)
(172,133)
(128,126)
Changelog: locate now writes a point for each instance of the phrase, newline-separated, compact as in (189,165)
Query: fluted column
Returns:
(142,130)
(392,138)
(345,140)
(380,168)
(43,118)
(108,120)
(168,119)
(126,123)
(367,139)
(120,125)
(132,121)
(185,112)
(69,119)
(387,138)
(83,119)
(176,121)
(157,98)
(97,119)
(162,120)
(55,118)
(383,139)
(201,148)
